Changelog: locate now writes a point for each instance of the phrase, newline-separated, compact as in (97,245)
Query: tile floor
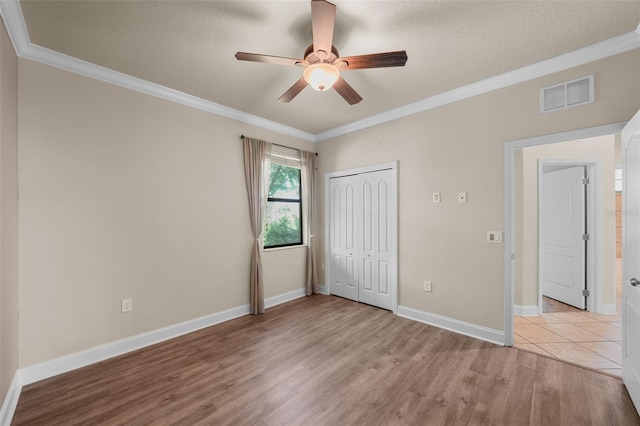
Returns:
(581,337)
(577,336)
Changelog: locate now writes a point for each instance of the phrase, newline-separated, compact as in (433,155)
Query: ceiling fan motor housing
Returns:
(313,57)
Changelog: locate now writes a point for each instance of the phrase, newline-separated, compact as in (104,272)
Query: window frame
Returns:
(286,200)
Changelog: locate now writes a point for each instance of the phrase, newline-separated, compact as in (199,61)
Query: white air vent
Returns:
(567,94)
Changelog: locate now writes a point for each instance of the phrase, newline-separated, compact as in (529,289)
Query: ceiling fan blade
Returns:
(255,57)
(293,91)
(374,60)
(323,18)
(346,91)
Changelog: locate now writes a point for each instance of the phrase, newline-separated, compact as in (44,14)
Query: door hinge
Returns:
(585,181)
(585,293)
(585,237)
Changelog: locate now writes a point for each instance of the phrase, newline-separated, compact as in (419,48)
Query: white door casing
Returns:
(631,259)
(562,226)
(361,253)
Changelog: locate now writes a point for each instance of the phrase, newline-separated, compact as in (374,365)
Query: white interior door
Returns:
(631,259)
(343,238)
(562,226)
(375,230)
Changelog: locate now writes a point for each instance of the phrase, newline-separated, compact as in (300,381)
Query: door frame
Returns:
(393,166)
(509,159)
(595,249)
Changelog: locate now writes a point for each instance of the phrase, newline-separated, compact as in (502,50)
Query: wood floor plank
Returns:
(325,360)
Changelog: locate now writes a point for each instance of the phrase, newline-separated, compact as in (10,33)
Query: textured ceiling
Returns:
(190,45)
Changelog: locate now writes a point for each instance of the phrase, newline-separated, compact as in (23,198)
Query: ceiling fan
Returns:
(322,63)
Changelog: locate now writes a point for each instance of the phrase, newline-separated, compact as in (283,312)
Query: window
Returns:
(283,218)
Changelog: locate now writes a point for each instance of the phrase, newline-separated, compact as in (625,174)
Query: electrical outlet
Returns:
(127,305)
(427,286)
(436,197)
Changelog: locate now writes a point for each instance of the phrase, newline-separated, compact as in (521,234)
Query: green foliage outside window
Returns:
(282,219)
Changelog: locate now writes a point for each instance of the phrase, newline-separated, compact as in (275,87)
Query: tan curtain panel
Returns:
(309,201)
(257,165)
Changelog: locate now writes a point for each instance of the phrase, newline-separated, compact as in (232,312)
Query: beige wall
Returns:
(600,148)
(459,147)
(126,195)
(8,214)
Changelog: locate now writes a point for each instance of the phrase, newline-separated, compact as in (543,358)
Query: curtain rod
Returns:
(284,146)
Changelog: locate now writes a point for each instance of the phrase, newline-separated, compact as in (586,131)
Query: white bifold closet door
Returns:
(361,231)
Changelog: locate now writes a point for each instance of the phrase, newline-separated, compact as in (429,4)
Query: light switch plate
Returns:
(494,237)
(462,197)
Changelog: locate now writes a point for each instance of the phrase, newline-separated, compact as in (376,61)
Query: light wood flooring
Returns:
(323,360)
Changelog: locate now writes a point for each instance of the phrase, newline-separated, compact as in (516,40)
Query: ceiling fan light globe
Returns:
(321,76)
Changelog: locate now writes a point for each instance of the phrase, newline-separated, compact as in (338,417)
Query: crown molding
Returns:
(11,14)
(68,63)
(16,27)
(603,49)
(14,22)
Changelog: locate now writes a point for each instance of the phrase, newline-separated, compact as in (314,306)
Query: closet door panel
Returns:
(383,277)
(343,235)
(383,217)
(367,222)
(366,215)
(351,237)
(384,254)
(367,275)
(375,240)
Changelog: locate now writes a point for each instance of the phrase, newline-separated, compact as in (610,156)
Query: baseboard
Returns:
(526,310)
(11,400)
(322,289)
(80,359)
(46,369)
(285,297)
(461,327)
(532,310)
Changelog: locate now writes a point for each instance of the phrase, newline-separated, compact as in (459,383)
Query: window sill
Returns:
(283,248)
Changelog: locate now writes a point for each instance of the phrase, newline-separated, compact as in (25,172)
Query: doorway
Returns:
(595,332)
(571,260)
